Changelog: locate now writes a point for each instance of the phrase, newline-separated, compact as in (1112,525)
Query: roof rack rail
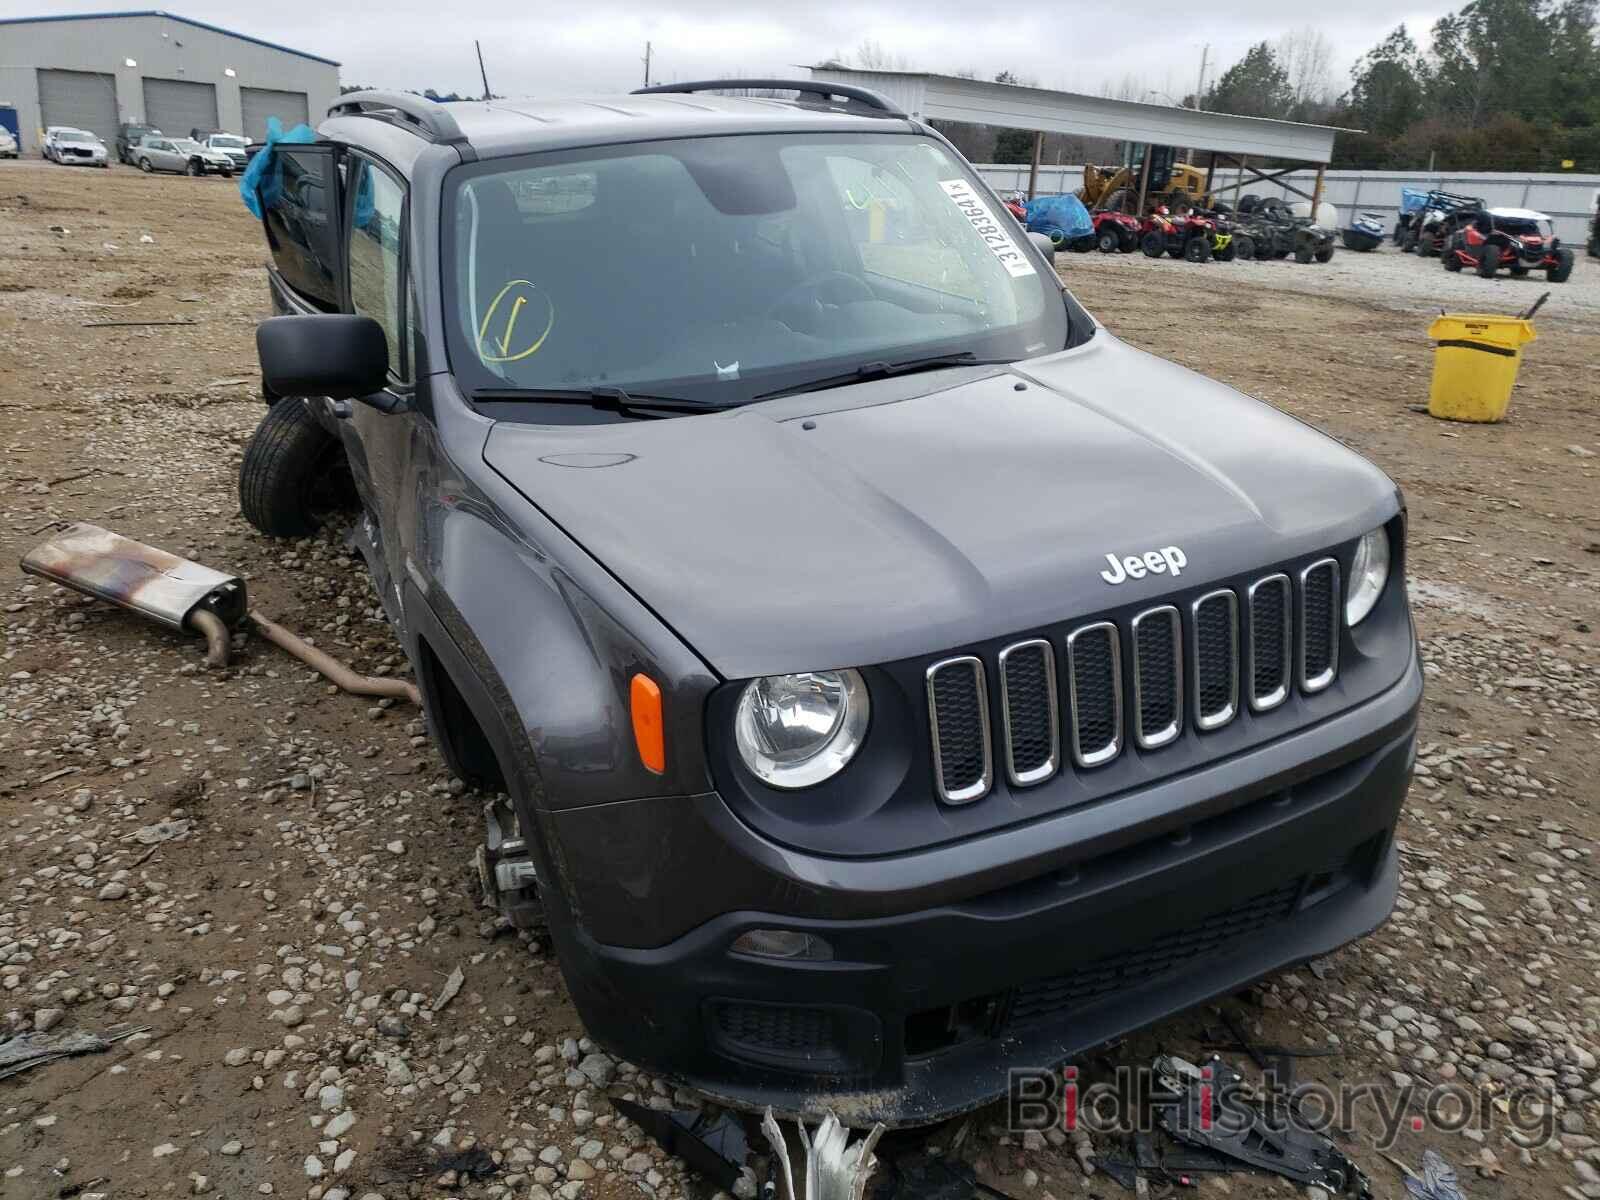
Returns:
(822,89)
(409,111)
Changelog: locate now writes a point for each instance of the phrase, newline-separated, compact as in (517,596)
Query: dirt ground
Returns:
(272,877)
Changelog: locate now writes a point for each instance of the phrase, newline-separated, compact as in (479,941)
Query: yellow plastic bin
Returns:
(1475,364)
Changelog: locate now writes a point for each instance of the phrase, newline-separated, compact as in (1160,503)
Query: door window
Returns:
(377,289)
(300,203)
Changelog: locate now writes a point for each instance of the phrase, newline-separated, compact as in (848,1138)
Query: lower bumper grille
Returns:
(1046,998)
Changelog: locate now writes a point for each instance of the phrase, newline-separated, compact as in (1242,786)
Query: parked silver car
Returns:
(8,144)
(69,146)
(184,155)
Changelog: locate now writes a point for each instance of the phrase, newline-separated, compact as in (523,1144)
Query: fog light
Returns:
(782,943)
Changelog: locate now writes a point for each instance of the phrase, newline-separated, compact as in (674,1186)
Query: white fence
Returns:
(1569,199)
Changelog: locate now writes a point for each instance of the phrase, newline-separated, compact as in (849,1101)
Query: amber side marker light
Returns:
(648,733)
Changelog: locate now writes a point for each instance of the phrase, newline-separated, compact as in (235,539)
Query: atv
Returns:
(1433,227)
(1188,235)
(1365,232)
(1115,232)
(1520,239)
(1271,230)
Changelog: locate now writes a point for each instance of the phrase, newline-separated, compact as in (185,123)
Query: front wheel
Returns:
(1244,246)
(1227,253)
(1325,255)
(1452,256)
(1562,269)
(1302,254)
(194,169)
(1489,261)
(294,473)
(1197,249)
(1153,244)
(1108,239)
(144,165)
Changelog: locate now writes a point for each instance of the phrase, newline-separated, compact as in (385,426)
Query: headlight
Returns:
(1369,571)
(794,731)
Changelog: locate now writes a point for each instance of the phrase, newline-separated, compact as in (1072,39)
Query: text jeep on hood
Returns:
(887,677)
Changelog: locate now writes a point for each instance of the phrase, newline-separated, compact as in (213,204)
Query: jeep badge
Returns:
(1169,559)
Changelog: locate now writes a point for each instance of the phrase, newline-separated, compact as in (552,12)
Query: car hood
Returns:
(78,144)
(913,516)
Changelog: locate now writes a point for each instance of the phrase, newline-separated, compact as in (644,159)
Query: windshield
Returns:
(76,135)
(226,141)
(721,269)
(1523,226)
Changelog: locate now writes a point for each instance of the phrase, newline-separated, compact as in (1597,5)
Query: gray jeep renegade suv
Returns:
(886,677)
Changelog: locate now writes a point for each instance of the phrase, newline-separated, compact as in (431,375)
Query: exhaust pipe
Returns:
(185,596)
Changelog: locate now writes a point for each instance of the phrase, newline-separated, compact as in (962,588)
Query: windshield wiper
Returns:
(884,370)
(613,399)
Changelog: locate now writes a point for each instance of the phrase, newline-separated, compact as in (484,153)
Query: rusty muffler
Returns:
(185,596)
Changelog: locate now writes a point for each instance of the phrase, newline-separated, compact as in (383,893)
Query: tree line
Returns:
(1503,85)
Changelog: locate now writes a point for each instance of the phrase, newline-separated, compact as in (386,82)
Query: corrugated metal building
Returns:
(97,70)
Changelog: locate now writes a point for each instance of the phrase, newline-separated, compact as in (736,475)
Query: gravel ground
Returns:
(1388,279)
(273,877)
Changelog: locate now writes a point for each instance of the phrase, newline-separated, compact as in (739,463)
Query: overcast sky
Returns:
(575,48)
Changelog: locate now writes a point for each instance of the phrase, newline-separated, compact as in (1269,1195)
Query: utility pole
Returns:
(1200,87)
(487,95)
(647,64)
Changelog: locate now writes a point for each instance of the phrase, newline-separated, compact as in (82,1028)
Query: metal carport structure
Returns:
(932,97)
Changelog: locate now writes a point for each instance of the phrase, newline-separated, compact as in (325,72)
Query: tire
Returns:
(294,473)
(193,169)
(227,172)
(1519,271)
(1244,246)
(1127,241)
(1153,245)
(1325,255)
(1197,249)
(1489,261)
(1408,244)
(1227,254)
(1108,239)
(144,165)
(1562,269)
(1302,254)
(1450,257)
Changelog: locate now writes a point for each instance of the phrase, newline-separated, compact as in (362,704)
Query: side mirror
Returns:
(337,355)
(1045,246)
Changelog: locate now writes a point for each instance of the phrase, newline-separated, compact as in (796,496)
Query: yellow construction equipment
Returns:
(1116,189)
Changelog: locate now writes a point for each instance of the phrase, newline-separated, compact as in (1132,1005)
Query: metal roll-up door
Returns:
(176,106)
(81,99)
(260,103)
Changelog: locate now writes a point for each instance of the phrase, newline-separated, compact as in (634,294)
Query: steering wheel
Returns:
(812,289)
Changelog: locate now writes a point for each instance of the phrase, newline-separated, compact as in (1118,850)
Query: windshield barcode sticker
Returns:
(987,226)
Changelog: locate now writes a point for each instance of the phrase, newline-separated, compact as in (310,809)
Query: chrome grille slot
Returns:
(1157,677)
(1214,620)
(958,718)
(1094,688)
(1028,711)
(1271,642)
(1319,625)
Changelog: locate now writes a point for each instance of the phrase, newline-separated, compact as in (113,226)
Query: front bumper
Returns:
(951,967)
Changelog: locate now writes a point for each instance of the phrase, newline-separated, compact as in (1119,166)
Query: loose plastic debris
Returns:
(1437,1181)
(714,1146)
(29,1050)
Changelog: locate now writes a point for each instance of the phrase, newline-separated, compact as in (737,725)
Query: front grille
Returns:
(1319,623)
(1028,711)
(958,715)
(1116,973)
(1271,642)
(1157,677)
(1215,624)
(1192,666)
(1094,677)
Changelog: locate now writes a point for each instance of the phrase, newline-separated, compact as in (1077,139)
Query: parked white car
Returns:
(74,147)
(8,144)
(230,144)
(184,155)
